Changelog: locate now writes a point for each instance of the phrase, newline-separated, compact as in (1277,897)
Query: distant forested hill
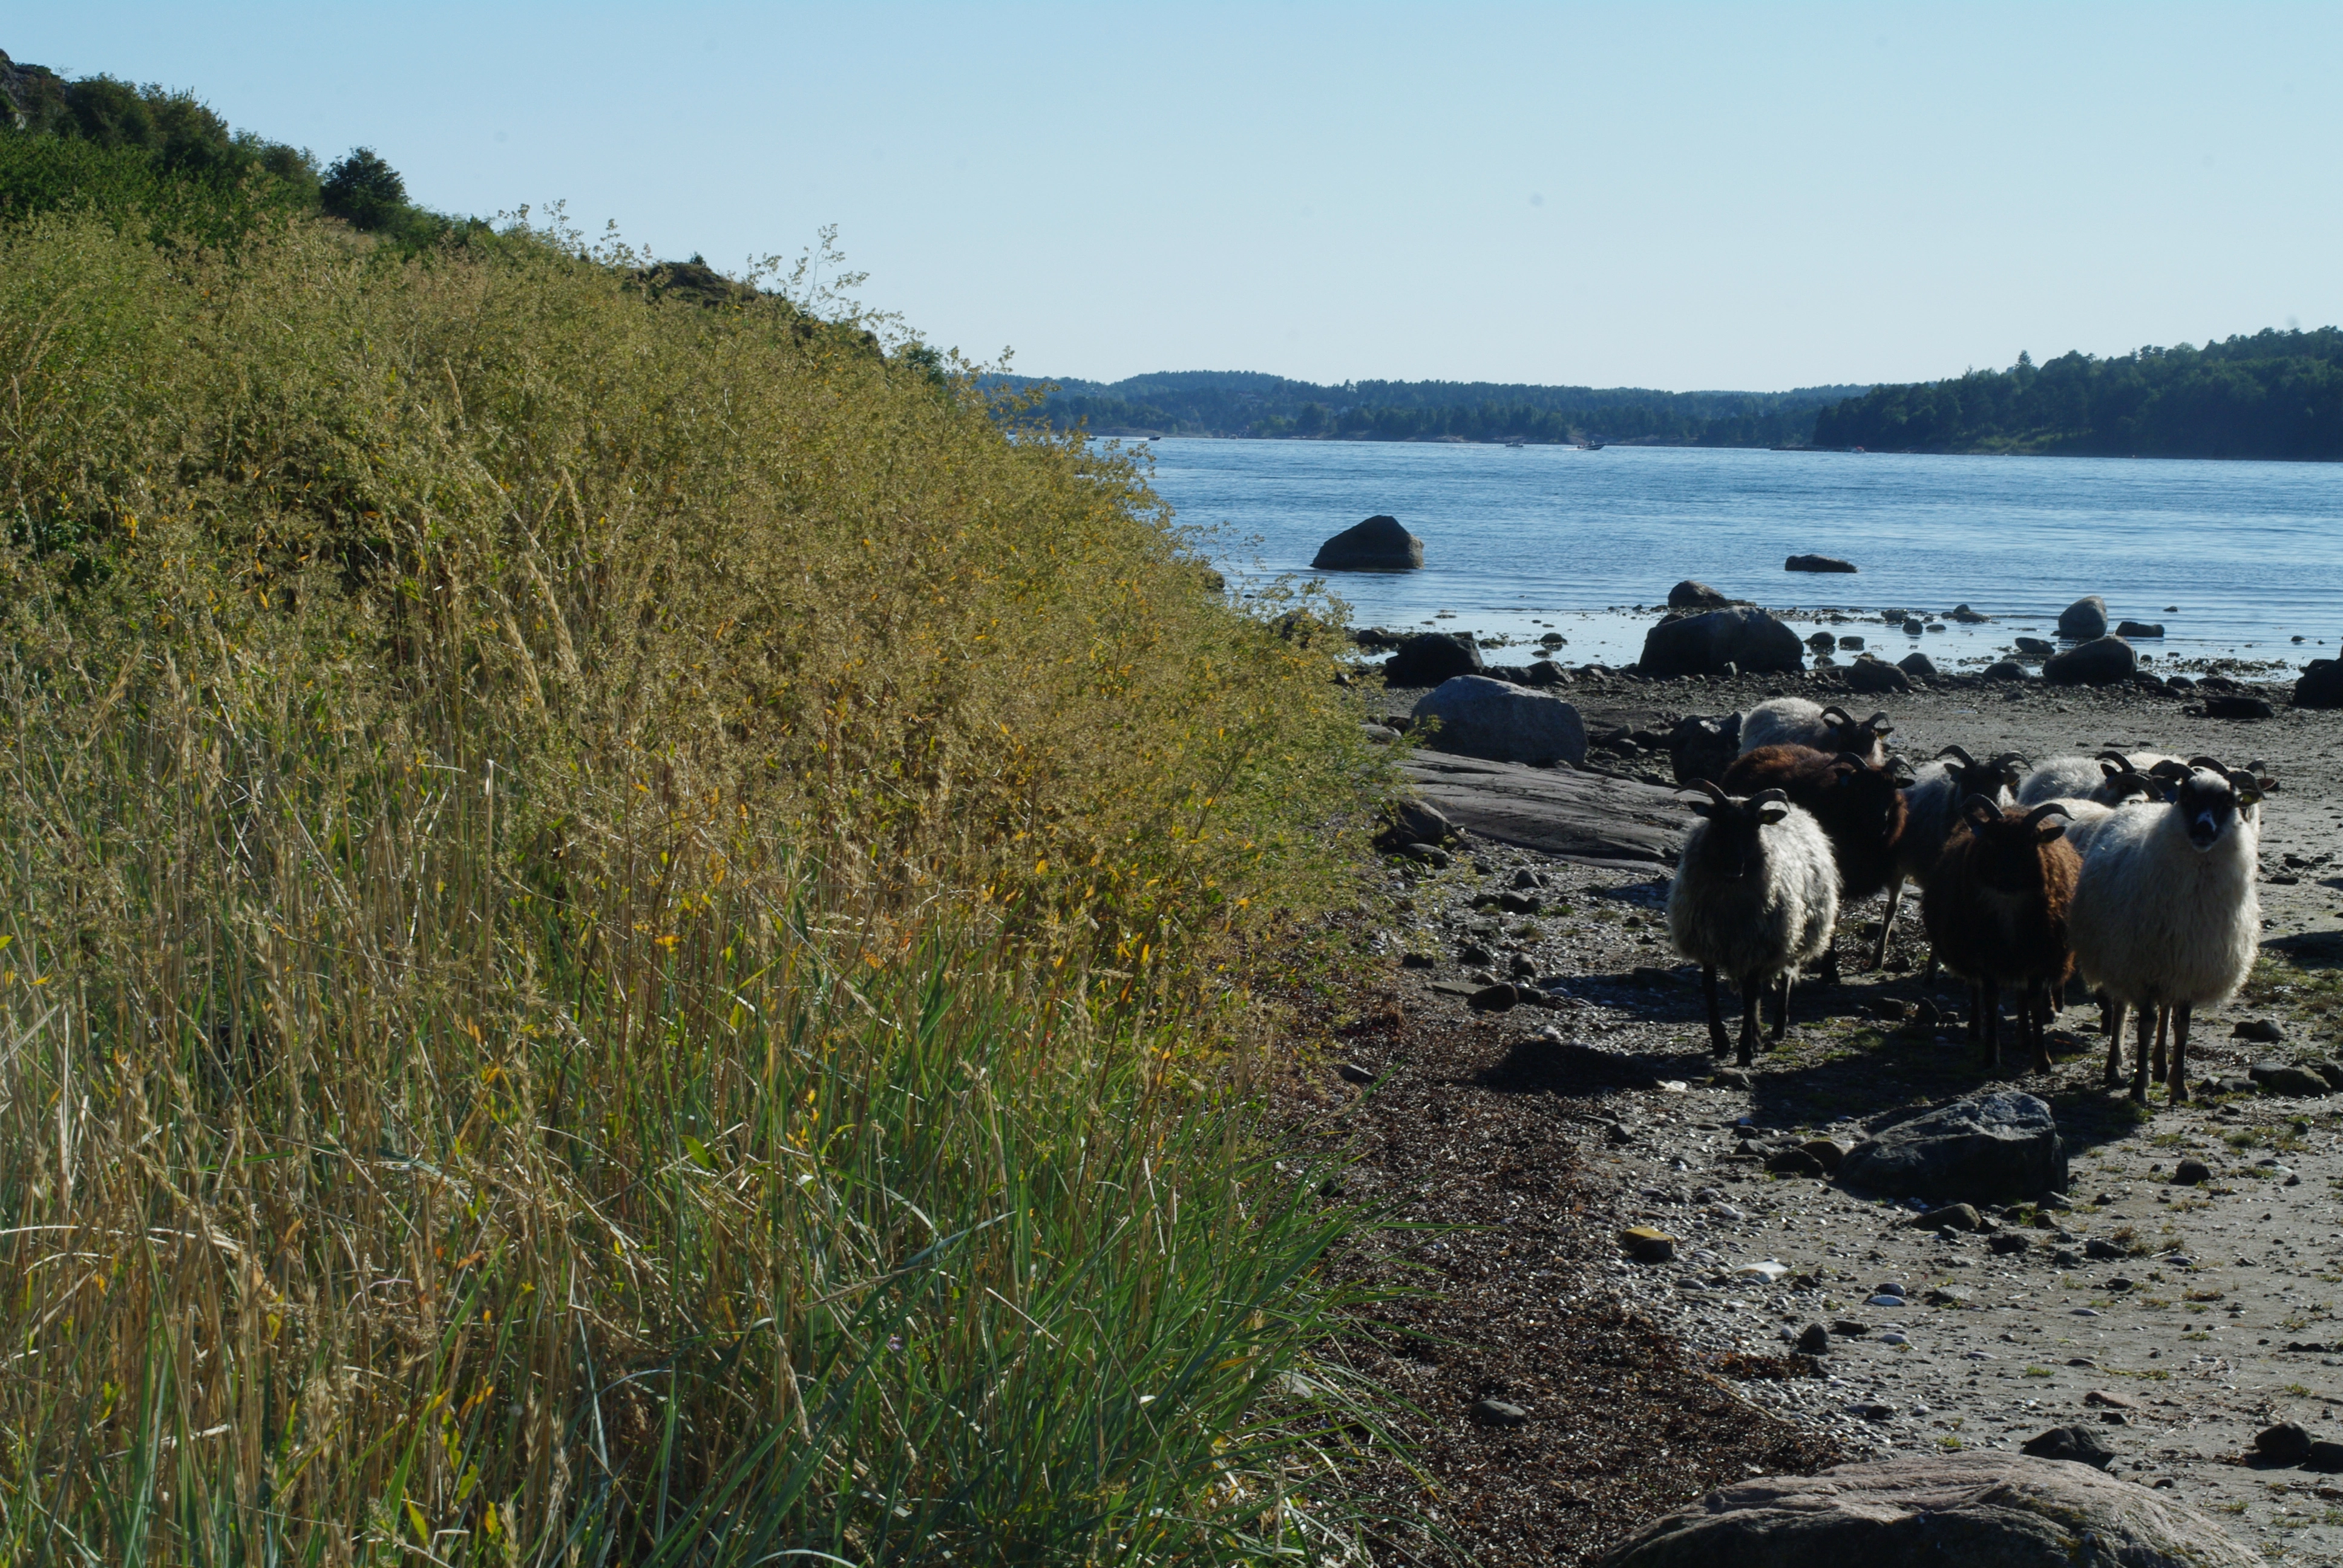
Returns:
(1243,403)
(2273,395)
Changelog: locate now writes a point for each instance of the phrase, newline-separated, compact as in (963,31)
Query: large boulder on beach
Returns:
(1499,722)
(1377,544)
(1818,564)
(1690,595)
(1871,675)
(2000,1148)
(1430,658)
(2102,662)
(1749,639)
(2321,685)
(1979,1510)
(2084,619)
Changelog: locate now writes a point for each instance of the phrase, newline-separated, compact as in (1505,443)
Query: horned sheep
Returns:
(1795,721)
(1755,895)
(1996,907)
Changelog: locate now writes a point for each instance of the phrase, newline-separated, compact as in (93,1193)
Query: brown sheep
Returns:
(1995,907)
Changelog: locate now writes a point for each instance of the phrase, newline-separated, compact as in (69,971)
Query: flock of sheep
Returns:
(2132,872)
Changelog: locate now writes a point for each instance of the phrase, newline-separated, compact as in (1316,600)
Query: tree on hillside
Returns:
(363,190)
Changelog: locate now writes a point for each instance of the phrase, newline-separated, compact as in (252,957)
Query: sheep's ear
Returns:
(2114,769)
(2046,831)
(1979,811)
(1771,812)
(1702,807)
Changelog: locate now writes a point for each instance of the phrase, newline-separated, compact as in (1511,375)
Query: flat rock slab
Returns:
(1589,817)
(1973,1510)
(1998,1148)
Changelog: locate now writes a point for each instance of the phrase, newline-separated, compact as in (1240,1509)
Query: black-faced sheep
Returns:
(1931,811)
(2166,916)
(1755,895)
(1996,907)
(1795,721)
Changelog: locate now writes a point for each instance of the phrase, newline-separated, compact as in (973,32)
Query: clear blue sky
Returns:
(1667,196)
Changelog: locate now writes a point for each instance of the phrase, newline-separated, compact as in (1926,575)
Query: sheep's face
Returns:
(1868,799)
(1734,848)
(1866,737)
(2210,805)
(2008,854)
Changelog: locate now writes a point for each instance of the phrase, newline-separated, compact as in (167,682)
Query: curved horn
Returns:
(1954,752)
(1978,808)
(1843,715)
(1764,796)
(2178,772)
(2049,809)
(2009,757)
(2215,763)
(2111,756)
(1878,724)
(1709,785)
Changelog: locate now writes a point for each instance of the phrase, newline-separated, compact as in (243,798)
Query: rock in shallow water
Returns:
(1750,640)
(1378,545)
(2101,662)
(1818,564)
(2084,619)
(1977,1510)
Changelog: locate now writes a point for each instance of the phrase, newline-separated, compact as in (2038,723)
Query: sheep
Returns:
(1931,811)
(1858,806)
(1755,895)
(1996,907)
(1795,721)
(2107,777)
(2166,915)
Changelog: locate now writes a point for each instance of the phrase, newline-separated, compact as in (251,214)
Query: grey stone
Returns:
(2285,1443)
(2295,1082)
(1414,822)
(1919,666)
(1545,672)
(1497,1412)
(1977,1510)
(1498,998)
(1999,1148)
(1822,641)
(2077,1444)
(2264,1030)
(1378,545)
(2037,647)
(1431,855)
(1691,594)
(1818,564)
(2084,619)
(1352,1073)
(2321,684)
(1814,1341)
(1871,675)
(1501,723)
(2232,706)
(2103,662)
(1915,625)
(2191,1173)
(1968,617)
(1952,1217)
(2325,1456)
(2008,1244)
(1750,640)
(2004,669)
(2140,628)
(1430,658)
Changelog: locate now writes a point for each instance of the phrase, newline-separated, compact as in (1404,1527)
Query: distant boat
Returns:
(1155,438)
(1516,443)
(1590,445)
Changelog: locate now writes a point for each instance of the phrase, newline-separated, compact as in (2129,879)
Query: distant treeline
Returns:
(2274,394)
(1244,402)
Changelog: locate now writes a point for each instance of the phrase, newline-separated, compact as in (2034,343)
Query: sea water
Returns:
(2236,559)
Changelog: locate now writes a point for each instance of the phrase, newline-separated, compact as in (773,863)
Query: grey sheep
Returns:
(1755,895)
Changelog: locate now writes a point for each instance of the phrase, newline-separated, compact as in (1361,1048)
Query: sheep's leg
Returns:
(1887,922)
(1988,996)
(1782,1007)
(2111,1018)
(2180,1080)
(1717,1044)
(2037,1003)
(2139,1058)
(2163,1027)
(1976,1020)
(1750,987)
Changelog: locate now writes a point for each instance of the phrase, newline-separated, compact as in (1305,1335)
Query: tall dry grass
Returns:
(618,938)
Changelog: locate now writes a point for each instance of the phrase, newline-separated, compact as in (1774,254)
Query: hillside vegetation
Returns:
(1238,403)
(625,923)
(2272,395)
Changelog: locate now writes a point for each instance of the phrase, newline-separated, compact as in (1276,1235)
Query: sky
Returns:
(1672,195)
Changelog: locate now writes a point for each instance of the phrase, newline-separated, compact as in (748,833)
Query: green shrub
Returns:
(623,940)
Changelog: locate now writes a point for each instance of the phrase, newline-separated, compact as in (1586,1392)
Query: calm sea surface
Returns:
(2234,559)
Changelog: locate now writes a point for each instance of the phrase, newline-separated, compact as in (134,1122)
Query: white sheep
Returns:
(1932,810)
(1755,895)
(2107,777)
(2166,916)
(1795,721)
